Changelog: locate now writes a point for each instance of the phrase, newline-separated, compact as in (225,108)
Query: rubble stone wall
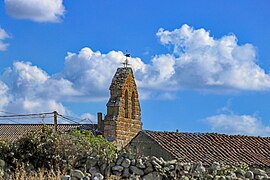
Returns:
(152,168)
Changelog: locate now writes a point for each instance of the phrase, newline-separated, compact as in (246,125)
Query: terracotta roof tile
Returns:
(210,147)
(12,132)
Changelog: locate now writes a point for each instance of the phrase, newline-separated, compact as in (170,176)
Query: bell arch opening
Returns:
(126,103)
(133,105)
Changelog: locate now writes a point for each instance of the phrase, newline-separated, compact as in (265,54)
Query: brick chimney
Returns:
(100,122)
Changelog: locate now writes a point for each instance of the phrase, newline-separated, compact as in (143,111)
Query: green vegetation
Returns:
(46,149)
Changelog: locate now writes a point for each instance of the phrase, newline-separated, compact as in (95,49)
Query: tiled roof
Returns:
(12,132)
(210,147)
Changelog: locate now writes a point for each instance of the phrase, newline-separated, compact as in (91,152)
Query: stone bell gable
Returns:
(123,119)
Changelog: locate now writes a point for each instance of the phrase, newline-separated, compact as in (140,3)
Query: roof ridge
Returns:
(207,133)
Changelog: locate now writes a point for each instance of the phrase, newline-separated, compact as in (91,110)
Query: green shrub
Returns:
(5,151)
(47,149)
(37,148)
(75,146)
(88,144)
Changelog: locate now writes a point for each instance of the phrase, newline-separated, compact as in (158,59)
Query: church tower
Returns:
(123,119)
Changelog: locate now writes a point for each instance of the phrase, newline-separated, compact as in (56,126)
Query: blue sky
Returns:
(200,66)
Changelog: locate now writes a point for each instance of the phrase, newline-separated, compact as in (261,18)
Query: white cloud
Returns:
(3,35)
(203,62)
(198,62)
(36,10)
(86,77)
(158,74)
(35,105)
(91,72)
(32,90)
(4,97)
(24,77)
(88,118)
(238,124)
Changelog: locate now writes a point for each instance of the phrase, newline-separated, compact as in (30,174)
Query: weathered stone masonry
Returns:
(123,119)
(127,167)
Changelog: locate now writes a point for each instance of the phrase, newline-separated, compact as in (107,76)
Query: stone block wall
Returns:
(109,130)
(145,146)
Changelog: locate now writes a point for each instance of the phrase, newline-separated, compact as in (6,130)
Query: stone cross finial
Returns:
(126,61)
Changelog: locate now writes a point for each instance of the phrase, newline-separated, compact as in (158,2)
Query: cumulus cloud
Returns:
(4,97)
(198,62)
(238,124)
(36,10)
(91,72)
(203,62)
(3,35)
(32,90)
(88,118)
(86,77)
(35,105)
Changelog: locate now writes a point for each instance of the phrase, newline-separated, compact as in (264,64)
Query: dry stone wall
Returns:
(153,168)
